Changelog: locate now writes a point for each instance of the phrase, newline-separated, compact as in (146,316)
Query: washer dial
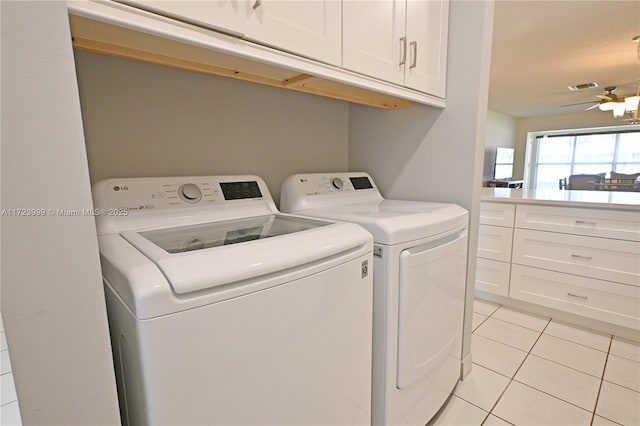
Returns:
(190,193)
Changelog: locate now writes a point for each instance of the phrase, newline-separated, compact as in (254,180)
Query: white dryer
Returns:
(223,311)
(419,275)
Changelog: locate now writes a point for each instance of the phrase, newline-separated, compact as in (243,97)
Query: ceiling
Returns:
(541,47)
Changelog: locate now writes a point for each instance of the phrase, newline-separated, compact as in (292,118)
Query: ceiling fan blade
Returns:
(610,97)
(592,107)
(580,103)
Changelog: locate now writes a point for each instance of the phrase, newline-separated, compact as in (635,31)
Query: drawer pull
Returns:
(584,222)
(577,295)
(579,256)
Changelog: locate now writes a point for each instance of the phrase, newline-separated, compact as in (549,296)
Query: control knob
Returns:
(337,183)
(190,193)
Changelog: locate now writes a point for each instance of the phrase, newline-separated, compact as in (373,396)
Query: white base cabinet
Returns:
(495,237)
(493,276)
(597,299)
(583,261)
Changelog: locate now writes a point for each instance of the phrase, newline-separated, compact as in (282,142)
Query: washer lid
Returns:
(207,255)
(395,221)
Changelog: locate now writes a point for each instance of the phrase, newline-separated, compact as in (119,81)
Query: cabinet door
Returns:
(427,35)
(373,41)
(309,28)
(222,15)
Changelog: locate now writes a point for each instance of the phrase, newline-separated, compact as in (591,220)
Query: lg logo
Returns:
(120,188)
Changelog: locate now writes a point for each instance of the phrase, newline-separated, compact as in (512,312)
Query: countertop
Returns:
(617,200)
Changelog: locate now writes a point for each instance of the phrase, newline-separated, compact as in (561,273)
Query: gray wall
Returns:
(501,133)
(148,120)
(52,298)
(424,153)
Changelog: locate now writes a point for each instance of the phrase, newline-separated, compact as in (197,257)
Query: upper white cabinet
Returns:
(222,15)
(401,41)
(309,28)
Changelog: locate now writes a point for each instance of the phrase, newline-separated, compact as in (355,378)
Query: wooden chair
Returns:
(562,183)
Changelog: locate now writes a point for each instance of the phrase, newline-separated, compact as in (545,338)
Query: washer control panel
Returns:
(142,194)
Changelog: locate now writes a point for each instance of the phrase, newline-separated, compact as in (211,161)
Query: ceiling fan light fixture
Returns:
(631,103)
(618,109)
(607,106)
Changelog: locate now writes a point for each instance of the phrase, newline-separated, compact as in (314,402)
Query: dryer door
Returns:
(431,305)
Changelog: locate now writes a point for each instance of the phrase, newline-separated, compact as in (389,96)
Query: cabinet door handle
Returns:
(414,55)
(584,222)
(403,50)
(577,295)
(579,256)
(257,4)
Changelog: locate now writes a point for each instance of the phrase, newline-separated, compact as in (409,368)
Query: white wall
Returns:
(579,120)
(52,297)
(501,133)
(142,119)
(424,153)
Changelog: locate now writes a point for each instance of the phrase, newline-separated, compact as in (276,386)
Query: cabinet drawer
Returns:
(622,225)
(492,276)
(494,242)
(601,300)
(611,260)
(499,214)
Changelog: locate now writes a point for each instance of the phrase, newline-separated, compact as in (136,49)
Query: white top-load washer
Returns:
(224,311)
(419,275)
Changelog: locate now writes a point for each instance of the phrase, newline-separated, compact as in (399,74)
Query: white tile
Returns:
(495,421)
(574,355)
(3,342)
(460,413)
(524,319)
(7,389)
(495,355)
(601,421)
(623,372)
(477,320)
(619,404)
(5,363)
(562,382)
(482,387)
(625,348)
(509,334)
(10,415)
(580,335)
(483,307)
(525,406)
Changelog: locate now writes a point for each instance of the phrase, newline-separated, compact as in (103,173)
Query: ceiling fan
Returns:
(609,96)
(621,106)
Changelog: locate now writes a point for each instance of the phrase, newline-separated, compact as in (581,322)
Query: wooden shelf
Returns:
(111,39)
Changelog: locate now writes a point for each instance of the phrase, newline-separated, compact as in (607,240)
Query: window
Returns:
(504,163)
(557,156)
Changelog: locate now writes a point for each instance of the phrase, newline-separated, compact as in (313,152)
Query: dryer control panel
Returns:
(305,190)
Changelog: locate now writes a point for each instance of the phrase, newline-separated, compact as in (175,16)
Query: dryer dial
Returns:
(337,183)
(190,193)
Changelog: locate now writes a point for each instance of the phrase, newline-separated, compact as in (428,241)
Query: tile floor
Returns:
(527,370)
(532,370)
(9,412)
